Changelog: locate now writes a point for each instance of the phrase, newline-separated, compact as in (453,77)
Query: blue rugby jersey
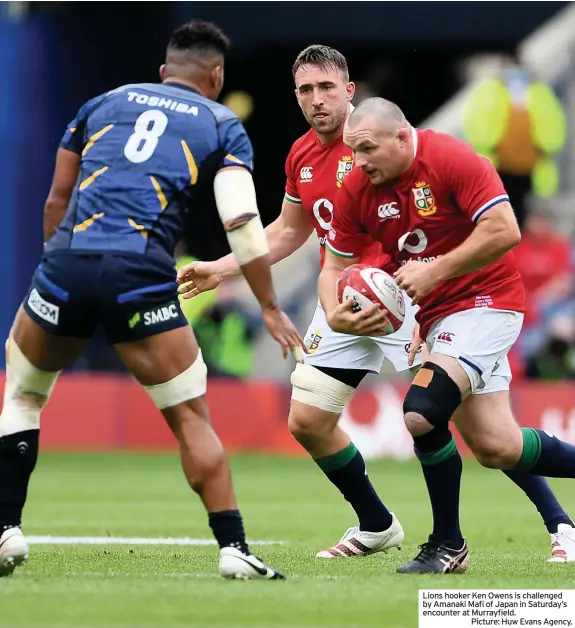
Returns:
(147,150)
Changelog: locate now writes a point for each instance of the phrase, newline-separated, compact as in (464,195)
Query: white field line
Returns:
(119,540)
(184,575)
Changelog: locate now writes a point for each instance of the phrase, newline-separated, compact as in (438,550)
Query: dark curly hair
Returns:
(199,36)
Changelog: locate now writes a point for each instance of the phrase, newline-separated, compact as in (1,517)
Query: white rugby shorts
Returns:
(331,349)
(479,339)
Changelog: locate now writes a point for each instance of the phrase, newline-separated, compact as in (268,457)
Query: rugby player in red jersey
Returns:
(315,168)
(451,236)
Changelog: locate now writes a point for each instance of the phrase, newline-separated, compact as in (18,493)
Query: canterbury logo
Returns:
(445,336)
(306,173)
(388,210)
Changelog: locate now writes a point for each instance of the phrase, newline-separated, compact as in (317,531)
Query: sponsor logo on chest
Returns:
(388,211)
(344,166)
(306,174)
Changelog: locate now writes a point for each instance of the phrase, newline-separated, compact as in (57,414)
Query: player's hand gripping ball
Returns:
(367,286)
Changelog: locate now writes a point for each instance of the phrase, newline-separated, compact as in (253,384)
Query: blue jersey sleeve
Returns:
(75,137)
(236,144)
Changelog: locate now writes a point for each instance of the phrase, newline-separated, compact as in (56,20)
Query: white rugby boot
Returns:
(234,564)
(13,550)
(356,542)
(563,544)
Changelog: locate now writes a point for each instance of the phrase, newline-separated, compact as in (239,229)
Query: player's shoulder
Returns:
(444,147)
(301,147)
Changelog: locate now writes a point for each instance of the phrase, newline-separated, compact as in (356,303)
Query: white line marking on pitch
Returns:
(184,575)
(118,540)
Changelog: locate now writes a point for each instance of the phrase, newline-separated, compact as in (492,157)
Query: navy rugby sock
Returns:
(18,456)
(346,470)
(543,498)
(544,454)
(442,467)
(228,529)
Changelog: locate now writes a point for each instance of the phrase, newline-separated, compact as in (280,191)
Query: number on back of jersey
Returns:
(148,128)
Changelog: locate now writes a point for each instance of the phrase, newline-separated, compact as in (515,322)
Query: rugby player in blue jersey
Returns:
(130,166)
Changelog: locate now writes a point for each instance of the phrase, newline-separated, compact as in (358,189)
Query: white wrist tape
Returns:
(236,196)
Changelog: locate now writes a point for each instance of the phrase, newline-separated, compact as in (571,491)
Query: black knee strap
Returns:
(433,441)
(433,395)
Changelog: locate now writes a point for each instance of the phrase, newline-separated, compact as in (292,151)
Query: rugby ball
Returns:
(367,286)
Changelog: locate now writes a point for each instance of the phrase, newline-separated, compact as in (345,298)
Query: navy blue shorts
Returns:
(131,296)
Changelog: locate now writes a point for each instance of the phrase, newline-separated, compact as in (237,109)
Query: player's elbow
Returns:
(509,236)
(248,240)
(503,230)
(237,222)
(55,204)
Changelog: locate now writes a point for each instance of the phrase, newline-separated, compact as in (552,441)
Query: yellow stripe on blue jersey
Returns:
(161,196)
(95,137)
(142,230)
(234,159)
(88,222)
(86,182)
(192,166)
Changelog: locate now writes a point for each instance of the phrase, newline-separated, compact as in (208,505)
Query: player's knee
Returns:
(314,388)
(307,423)
(189,384)
(431,400)
(26,392)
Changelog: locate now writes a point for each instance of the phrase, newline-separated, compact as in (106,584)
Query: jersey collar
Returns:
(182,86)
(415,139)
(404,181)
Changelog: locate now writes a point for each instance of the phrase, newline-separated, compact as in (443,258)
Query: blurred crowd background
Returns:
(502,78)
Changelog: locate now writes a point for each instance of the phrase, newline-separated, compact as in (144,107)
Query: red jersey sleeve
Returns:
(292,193)
(347,235)
(474,182)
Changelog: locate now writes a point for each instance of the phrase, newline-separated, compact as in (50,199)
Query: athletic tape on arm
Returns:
(236,198)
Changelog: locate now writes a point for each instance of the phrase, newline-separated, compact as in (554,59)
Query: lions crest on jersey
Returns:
(344,167)
(424,199)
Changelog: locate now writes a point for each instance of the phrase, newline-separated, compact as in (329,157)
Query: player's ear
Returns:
(403,135)
(217,78)
(163,71)
(350,91)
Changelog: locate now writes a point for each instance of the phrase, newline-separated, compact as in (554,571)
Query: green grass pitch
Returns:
(145,495)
